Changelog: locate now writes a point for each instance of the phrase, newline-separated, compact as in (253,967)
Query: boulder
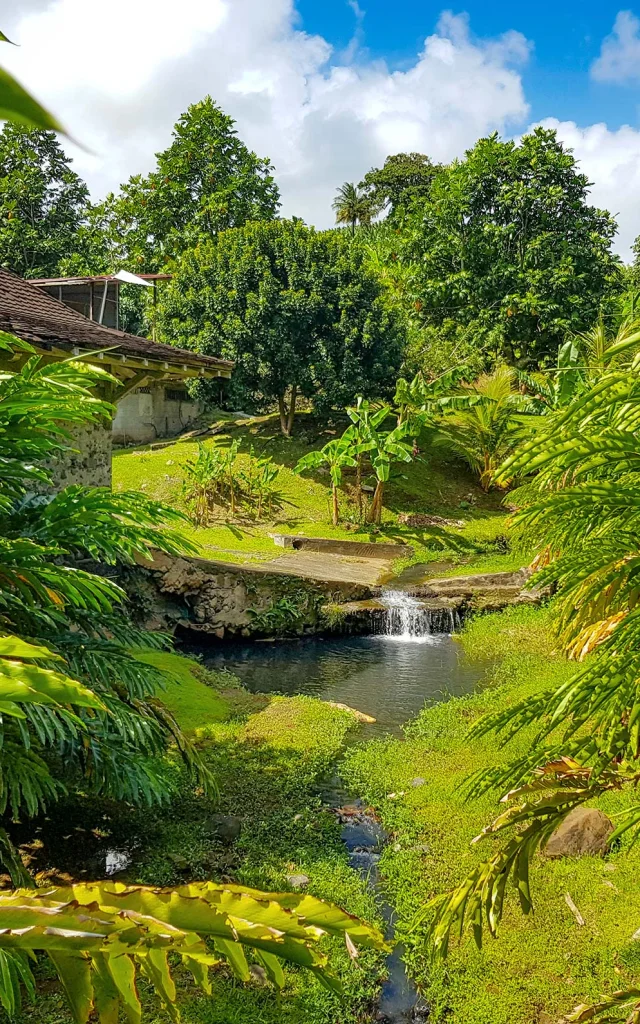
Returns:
(226,826)
(584,832)
(298,881)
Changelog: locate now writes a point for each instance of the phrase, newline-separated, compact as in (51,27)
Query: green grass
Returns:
(430,486)
(268,757)
(539,967)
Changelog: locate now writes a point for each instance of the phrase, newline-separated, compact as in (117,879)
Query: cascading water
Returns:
(411,620)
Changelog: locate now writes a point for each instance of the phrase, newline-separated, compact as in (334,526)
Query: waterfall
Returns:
(409,619)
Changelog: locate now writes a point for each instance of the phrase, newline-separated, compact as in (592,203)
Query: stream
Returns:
(388,675)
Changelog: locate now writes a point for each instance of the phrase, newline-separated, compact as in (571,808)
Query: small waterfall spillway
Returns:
(409,619)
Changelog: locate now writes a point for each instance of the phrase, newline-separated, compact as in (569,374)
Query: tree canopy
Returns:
(506,242)
(42,202)
(206,181)
(403,178)
(297,309)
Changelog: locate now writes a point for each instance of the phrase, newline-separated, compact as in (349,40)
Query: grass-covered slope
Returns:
(428,486)
(539,967)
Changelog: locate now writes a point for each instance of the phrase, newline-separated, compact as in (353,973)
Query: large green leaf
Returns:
(16,104)
(99,935)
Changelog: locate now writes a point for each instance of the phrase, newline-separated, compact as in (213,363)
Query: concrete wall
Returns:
(160,410)
(89,463)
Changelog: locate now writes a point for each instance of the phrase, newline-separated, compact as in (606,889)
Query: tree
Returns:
(404,178)
(581,512)
(507,243)
(298,310)
(336,455)
(42,202)
(206,181)
(353,207)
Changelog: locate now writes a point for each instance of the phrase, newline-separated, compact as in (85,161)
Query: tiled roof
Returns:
(37,317)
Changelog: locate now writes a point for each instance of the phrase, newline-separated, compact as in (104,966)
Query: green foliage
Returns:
(296,309)
(336,456)
(20,107)
(217,478)
(42,202)
(205,182)
(506,242)
(100,936)
(484,422)
(353,206)
(404,178)
(580,511)
(281,617)
(75,617)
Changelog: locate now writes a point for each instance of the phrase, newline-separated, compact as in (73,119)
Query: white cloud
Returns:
(120,78)
(619,59)
(611,160)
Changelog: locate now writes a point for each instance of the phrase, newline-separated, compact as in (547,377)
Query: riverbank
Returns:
(539,967)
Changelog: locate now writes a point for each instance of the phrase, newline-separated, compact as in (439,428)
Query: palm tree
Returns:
(582,513)
(336,455)
(353,206)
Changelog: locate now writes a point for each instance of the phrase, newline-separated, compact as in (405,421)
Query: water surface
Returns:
(390,677)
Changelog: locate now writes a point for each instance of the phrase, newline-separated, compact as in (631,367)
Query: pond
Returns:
(389,677)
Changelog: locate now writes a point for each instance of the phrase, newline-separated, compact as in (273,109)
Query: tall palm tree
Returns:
(353,206)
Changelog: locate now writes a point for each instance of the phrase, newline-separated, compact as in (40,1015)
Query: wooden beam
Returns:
(131,385)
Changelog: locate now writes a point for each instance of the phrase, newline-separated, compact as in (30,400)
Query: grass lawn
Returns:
(539,967)
(428,486)
(268,757)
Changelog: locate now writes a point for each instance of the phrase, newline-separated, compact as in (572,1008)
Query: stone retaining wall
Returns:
(219,600)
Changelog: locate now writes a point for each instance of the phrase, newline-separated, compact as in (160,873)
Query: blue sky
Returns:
(328,89)
(566,38)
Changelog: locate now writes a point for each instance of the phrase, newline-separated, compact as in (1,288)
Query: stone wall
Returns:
(222,601)
(160,410)
(89,462)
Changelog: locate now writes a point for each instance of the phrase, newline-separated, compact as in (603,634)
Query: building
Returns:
(97,297)
(151,399)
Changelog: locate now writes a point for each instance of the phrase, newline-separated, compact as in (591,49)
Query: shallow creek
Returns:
(389,676)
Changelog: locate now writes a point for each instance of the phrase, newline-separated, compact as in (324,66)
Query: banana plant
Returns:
(336,455)
(365,419)
(102,936)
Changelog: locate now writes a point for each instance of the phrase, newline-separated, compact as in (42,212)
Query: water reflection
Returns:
(383,676)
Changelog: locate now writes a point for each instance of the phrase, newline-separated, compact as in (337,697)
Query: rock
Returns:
(298,881)
(179,861)
(359,715)
(419,781)
(226,826)
(584,832)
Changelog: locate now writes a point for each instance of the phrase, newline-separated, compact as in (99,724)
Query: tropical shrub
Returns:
(582,512)
(483,422)
(336,456)
(78,616)
(216,478)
